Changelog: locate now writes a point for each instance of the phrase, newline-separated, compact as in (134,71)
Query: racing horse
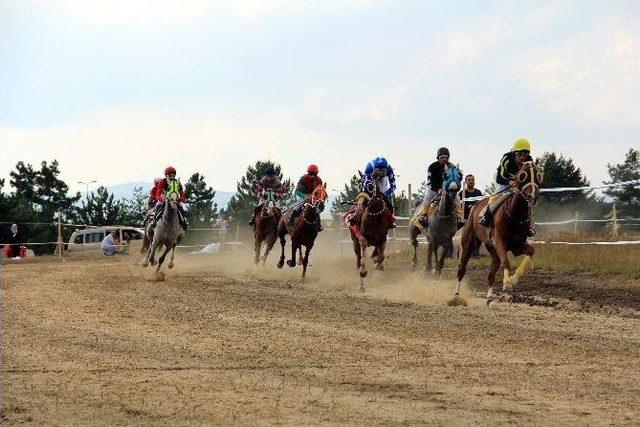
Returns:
(168,232)
(372,231)
(265,229)
(508,231)
(304,229)
(441,222)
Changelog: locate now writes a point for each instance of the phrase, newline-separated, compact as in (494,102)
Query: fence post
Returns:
(410,201)
(59,234)
(575,225)
(614,222)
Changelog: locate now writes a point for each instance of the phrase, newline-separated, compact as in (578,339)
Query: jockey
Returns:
(151,201)
(269,181)
(380,171)
(435,181)
(306,184)
(163,185)
(509,166)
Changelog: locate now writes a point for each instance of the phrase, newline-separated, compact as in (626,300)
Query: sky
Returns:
(117,90)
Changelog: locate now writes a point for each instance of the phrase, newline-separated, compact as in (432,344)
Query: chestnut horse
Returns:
(265,228)
(508,231)
(374,226)
(304,229)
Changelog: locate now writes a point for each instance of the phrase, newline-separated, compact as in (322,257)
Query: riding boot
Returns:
(460,221)
(182,218)
(156,216)
(294,214)
(485,219)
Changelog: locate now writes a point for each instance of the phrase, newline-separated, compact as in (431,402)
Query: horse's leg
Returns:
(430,253)
(467,243)
(305,260)
(257,248)
(526,262)
(414,243)
(300,259)
(292,261)
(162,257)
(173,253)
(380,256)
(283,242)
(445,250)
(363,257)
(501,250)
(270,242)
(151,258)
(491,277)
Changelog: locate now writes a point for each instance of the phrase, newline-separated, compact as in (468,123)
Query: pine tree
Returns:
(349,194)
(245,199)
(627,198)
(135,207)
(202,209)
(101,208)
(560,171)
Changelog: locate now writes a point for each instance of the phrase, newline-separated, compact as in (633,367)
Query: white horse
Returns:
(168,232)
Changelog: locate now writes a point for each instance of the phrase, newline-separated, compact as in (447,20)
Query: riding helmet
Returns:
(521,145)
(442,151)
(270,170)
(170,170)
(312,169)
(380,163)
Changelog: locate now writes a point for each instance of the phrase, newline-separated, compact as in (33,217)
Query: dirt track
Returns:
(95,341)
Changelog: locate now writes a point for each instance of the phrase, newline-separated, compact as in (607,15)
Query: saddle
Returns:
(424,211)
(495,200)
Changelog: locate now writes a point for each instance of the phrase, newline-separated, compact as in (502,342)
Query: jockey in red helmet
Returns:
(163,185)
(306,184)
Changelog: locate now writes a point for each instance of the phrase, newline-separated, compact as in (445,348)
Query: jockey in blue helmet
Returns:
(380,171)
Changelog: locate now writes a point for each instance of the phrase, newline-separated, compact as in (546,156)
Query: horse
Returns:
(265,228)
(441,222)
(168,232)
(510,225)
(304,229)
(374,226)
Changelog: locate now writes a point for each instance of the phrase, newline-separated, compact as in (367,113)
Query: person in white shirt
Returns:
(109,244)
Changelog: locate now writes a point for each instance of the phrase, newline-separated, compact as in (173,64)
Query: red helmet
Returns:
(157,181)
(312,169)
(170,170)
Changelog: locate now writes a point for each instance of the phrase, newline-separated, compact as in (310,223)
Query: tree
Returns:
(200,200)
(245,200)
(135,207)
(627,198)
(101,208)
(37,196)
(560,171)
(351,190)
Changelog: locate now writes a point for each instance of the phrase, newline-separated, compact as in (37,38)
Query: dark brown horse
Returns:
(304,229)
(265,229)
(373,229)
(508,232)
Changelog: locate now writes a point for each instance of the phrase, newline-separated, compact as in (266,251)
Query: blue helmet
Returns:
(380,163)
(270,170)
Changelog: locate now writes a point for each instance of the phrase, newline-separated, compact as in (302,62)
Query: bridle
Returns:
(314,204)
(527,179)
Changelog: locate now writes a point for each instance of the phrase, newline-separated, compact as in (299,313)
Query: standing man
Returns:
(222,225)
(470,190)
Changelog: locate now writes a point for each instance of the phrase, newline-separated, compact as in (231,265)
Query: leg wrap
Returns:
(526,263)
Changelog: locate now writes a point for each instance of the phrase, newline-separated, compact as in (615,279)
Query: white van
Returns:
(91,238)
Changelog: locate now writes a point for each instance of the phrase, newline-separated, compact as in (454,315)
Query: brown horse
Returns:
(265,228)
(304,229)
(508,231)
(374,226)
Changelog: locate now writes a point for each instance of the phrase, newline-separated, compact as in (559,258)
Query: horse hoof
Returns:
(170,265)
(291,263)
(152,261)
(414,264)
(361,289)
(363,274)
(490,297)
(513,280)
(507,287)
(145,263)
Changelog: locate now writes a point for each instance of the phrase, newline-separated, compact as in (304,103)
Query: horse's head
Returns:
(318,197)
(529,178)
(270,202)
(452,183)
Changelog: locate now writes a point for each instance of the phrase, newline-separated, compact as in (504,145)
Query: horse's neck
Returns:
(446,204)
(170,215)
(518,207)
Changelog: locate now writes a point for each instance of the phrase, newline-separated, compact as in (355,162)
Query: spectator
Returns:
(109,244)
(221,225)
(13,239)
(470,191)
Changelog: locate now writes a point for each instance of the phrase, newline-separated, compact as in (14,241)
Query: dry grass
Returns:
(621,260)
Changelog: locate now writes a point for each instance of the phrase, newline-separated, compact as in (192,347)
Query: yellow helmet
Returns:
(521,145)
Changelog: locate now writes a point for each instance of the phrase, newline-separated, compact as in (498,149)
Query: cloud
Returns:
(591,74)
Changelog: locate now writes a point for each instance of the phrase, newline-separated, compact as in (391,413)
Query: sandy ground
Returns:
(96,341)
